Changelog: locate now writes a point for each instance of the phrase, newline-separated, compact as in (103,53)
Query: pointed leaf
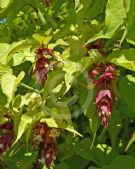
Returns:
(8,84)
(124,58)
(26,121)
(115,14)
(4,3)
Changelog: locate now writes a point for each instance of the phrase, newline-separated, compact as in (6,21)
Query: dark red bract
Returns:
(5,142)
(102,76)
(104,94)
(99,45)
(49,143)
(7,135)
(41,75)
(46,2)
(42,62)
(41,51)
(104,101)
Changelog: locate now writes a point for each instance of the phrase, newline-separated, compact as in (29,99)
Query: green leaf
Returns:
(114,127)
(94,56)
(83,150)
(20,77)
(18,58)
(3,98)
(18,158)
(4,3)
(11,12)
(83,11)
(4,47)
(126,88)
(55,78)
(77,48)
(7,51)
(99,35)
(8,84)
(62,166)
(124,58)
(71,20)
(5,69)
(26,121)
(71,129)
(65,54)
(130,15)
(115,14)
(126,93)
(131,78)
(113,20)
(96,9)
(22,56)
(122,162)
(127,5)
(57,89)
(61,117)
(42,39)
(70,67)
(50,122)
(93,168)
(131,35)
(14,47)
(68,80)
(77,162)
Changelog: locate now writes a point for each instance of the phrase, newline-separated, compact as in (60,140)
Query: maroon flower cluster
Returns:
(102,74)
(7,135)
(99,46)
(48,142)
(47,2)
(104,78)
(42,62)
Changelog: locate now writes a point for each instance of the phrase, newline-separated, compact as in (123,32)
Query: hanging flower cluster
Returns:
(6,135)
(47,2)
(103,76)
(99,46)
(42,64)
(48,138)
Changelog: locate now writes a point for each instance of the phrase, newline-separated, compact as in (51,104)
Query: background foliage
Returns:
(66,99)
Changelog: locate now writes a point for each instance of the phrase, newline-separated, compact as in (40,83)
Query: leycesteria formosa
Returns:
(48,138)
(47,2)
(42,63)
(99,46)
(103,76)
(7,134)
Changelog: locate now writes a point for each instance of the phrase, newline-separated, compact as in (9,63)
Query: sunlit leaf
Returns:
(124,58)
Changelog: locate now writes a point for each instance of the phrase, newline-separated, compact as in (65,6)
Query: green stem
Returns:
(29,88)
(102,134)
(123,37)
(93,140)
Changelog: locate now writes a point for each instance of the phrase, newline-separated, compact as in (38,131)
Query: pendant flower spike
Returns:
(49,141)
(102,76)
(104,101)
(7,135)
(42,63)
